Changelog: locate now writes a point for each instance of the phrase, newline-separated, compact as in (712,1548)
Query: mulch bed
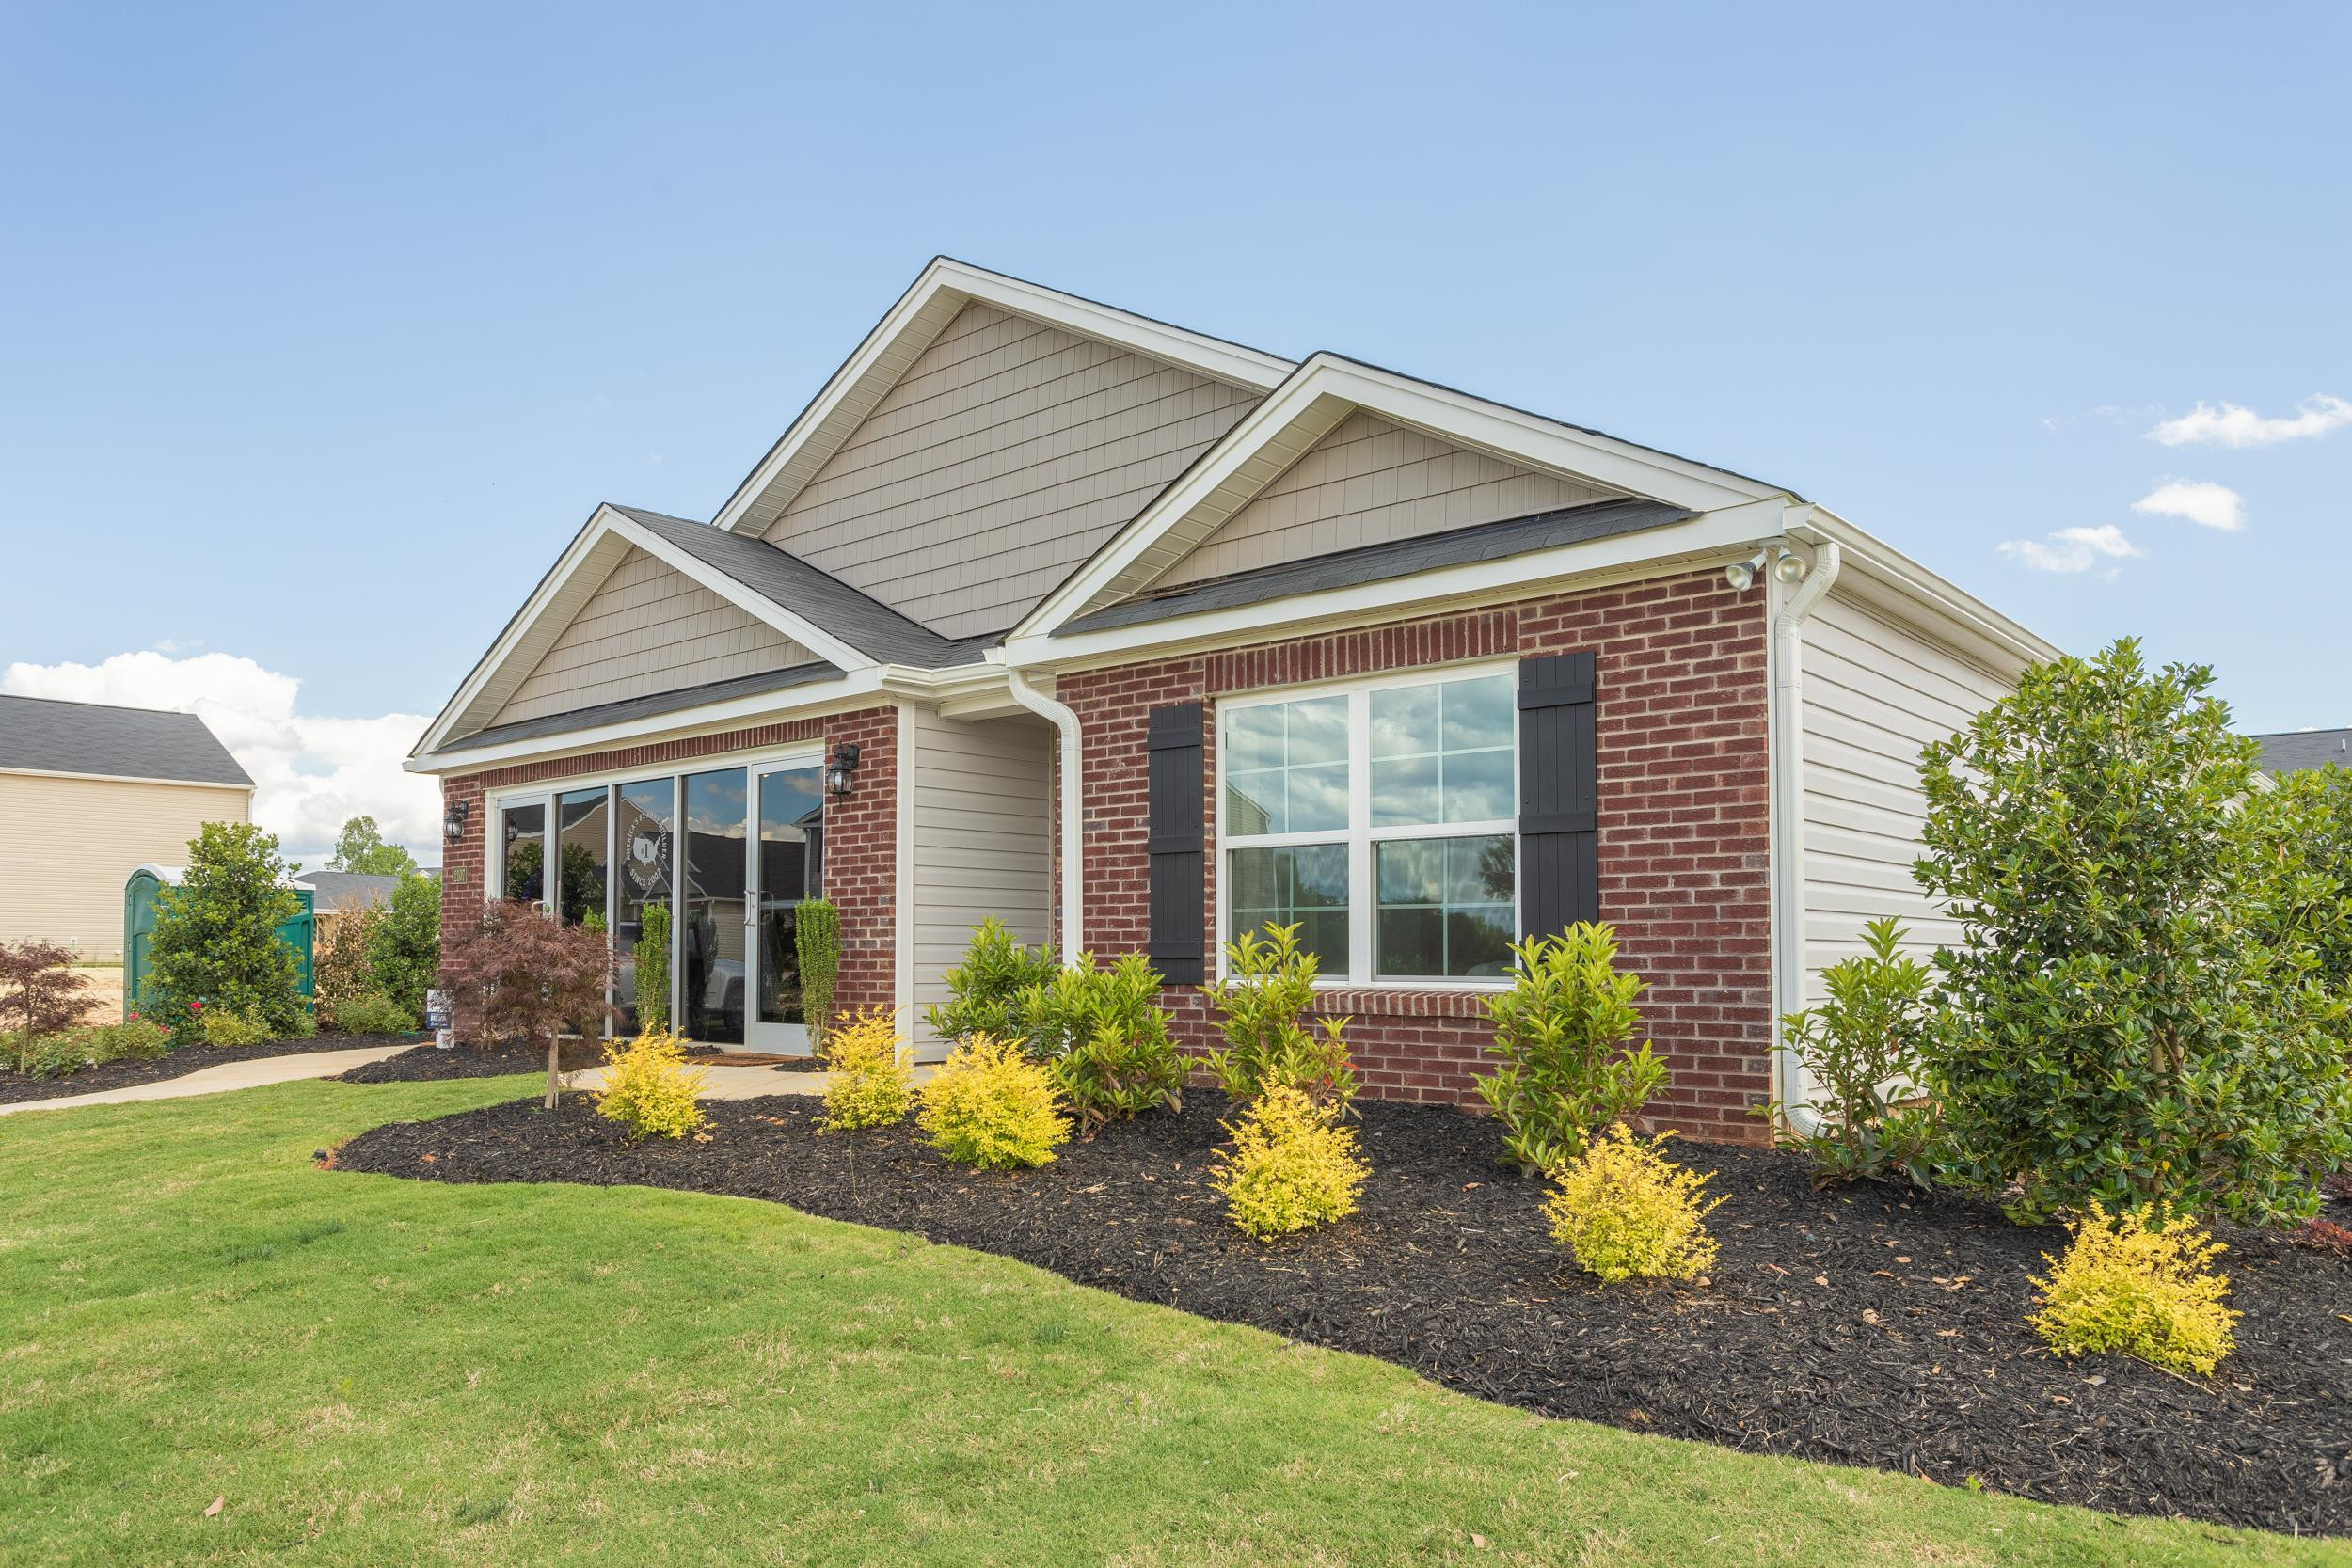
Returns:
(173,1064)
(429,1063)
(1862,1327)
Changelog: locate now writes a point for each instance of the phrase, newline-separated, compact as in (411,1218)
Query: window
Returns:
(1381,821)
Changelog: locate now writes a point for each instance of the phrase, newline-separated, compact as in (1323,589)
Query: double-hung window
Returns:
(1380,819)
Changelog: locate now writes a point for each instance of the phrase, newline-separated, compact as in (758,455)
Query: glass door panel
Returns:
(523,857)
(714,912)
(644,824)
(581,819)
(787,863)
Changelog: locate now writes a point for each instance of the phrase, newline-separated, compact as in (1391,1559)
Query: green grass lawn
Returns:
(386,1373)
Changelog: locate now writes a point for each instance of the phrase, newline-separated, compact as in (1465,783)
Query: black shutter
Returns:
(1177,946)
(1559,794)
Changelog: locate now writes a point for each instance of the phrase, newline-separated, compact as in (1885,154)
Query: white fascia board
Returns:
(1938,607)
(860,688)
(1727,532)
(1508,434)
(802,630)
(945,287)
(123,778)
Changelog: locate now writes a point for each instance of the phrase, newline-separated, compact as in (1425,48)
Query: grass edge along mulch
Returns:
(1858,1328)
(16,1088)
(509,1374)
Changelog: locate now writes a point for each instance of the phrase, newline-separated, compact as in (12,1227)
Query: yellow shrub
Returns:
(648,1088)
(219,1026)
(1625,1212)
(873,1073)
(992,1106)
(2138,1283)
(1292,1166)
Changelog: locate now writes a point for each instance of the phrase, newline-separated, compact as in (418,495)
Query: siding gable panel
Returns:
(647,629)
(1006,455)
(1370,482)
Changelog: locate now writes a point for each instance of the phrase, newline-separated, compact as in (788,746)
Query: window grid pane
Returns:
(1300,884)
(1445,906)
(1286,767)
(1442,753)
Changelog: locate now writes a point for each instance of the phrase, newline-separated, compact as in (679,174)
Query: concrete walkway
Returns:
(218,1080)
(743,1082)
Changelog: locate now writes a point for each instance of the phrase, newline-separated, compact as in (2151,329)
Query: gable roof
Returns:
(908,327)
(2294,750)
(44,735)
(1398,557)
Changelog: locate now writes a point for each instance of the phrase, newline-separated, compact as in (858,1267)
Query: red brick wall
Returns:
(861,862)
(1680,722)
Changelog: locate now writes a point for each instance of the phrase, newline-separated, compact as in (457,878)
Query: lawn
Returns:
(369,1370)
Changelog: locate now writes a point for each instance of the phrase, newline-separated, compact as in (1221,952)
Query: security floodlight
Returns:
(1739,574)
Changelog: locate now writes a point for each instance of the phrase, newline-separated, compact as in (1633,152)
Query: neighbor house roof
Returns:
(2297,749)
(43,735)
(346,890)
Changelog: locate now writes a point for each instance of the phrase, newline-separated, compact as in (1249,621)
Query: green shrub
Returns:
(1861,1045)
(1565,1031)
(40,996)
(2303,833)
(341,967)
(2121,1018)
(1105,1038)
(2138,1283)
(405,945)
(816,943)
(985,991)
(1269,986)
(652,955)
(872,1074)
(217,934)
(374,1013)
(992,1106)
(224,1026)
(649,1088)
(1625,1212)
(133,1039)
(1292,1166)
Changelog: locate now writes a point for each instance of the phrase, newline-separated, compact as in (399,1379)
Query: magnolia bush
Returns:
(1862,1047)
(1565,1031)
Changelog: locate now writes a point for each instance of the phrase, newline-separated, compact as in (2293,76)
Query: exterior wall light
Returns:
(1741,574)
(453,820)
(841,773)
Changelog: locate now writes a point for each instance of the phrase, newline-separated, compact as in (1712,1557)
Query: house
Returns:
(1136,638)
(341,892)
(90,793)
(2297,749)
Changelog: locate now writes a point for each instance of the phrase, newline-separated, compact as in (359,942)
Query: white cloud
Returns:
(2072,550)
(310,773)
(2230,426)
(2199,501)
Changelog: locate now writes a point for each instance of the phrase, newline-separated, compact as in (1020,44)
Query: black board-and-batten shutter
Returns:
(1559,794)
(1177,843)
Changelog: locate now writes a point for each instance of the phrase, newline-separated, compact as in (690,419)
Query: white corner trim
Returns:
(902,924)
(1526,439)
(945,287)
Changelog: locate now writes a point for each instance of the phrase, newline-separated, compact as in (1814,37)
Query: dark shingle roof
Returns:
(346,890)
(1399,558)
(643,708)
(51,736)
(2297,750)
(865,624)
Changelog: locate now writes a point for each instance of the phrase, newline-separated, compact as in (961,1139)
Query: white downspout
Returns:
(1073,804)
(1786,721)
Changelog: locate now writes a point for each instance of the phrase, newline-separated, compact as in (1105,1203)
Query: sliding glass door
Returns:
(787,855)
(714,917)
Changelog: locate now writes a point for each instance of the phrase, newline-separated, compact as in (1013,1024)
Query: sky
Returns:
(324,328)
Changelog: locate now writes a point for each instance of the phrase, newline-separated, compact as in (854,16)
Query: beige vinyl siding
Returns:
(648,628)
(1009,453)
(1368,482)
(72,843)
(983,830)
(1874,695)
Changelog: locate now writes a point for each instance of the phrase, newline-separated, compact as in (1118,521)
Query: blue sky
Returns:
(322,330)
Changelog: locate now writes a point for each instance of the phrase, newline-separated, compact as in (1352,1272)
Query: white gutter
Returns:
(1073,792)
(1786,721)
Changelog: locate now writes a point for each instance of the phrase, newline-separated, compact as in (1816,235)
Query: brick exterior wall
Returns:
(1680,724)
(861,859)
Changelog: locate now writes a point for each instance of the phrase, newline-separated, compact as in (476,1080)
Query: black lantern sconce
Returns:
(453,820)
(841,773)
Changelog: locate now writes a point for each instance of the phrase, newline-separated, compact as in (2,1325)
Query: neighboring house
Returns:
(338,892)
(90,793)
(1313,641)
(2299,750)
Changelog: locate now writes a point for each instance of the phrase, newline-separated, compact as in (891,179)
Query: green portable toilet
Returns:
(139,929)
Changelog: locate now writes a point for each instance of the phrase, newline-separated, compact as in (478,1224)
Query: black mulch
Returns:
(1857,1327)
(173,1064)
(429,1063)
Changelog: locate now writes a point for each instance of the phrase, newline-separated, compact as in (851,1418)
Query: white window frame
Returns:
(1361,835)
